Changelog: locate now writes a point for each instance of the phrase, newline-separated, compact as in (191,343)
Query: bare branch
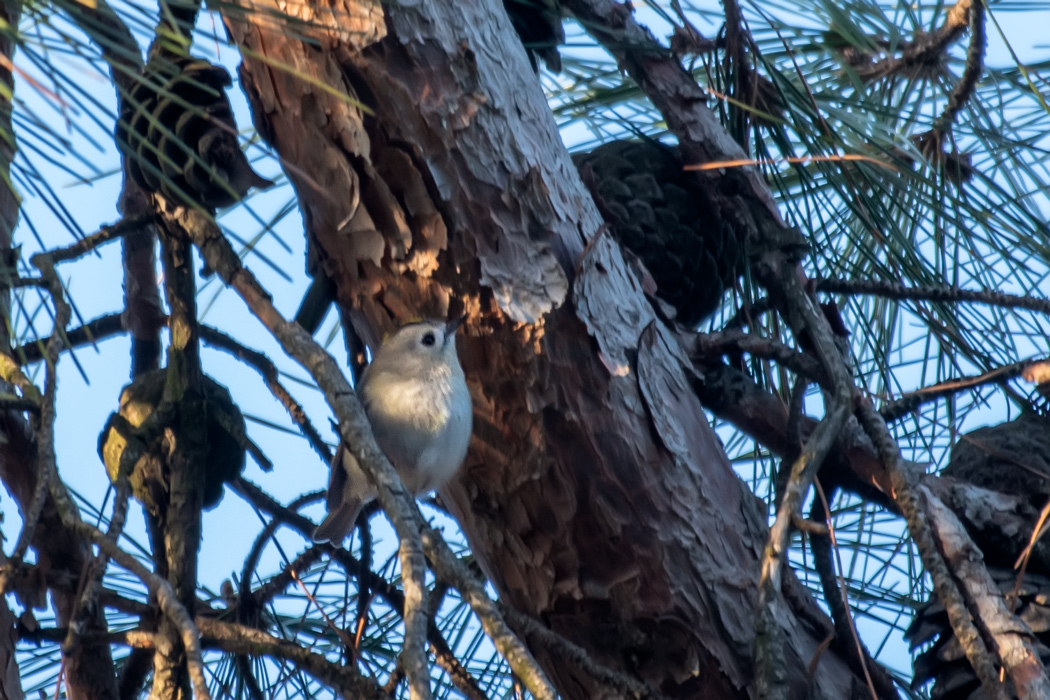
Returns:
(354,430)
(92,331)
(894,290)
(239,639)
(262,364)
(96,567)
(714,345)
(801,314)
(448,568)
(964,89)
(1019,660)
(89,243)
(910,402)
(443,654)
(924,50)
(245,640)
(907,498)
(169,603)
(47,472)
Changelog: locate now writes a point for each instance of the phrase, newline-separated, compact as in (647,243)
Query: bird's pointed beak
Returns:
(452,326)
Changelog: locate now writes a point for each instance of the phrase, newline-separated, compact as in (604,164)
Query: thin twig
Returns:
(912,401)
(275,584)
(92,331)
(265,367)
(895,290)
(339,631)
(251,562)
(89,243)
(443,654)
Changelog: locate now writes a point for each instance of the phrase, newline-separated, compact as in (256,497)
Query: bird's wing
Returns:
(348,491)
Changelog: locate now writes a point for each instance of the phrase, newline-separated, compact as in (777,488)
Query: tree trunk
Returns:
(596,495)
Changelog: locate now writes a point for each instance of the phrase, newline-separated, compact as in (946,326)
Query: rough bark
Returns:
(596,496)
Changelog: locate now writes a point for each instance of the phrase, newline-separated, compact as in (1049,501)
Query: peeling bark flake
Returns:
(610,302)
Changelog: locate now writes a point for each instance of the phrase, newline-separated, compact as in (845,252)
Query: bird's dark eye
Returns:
(429,339)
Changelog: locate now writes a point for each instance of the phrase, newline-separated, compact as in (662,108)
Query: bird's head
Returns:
(425,344)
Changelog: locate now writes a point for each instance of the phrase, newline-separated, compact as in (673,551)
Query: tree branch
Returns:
(712,346)
(924,49)
(265,367)
(239,639)
(895,290)
(165,595)
(183,496)
(784,283)
(366,579)
(911,401)
(354,430)
(964,89)
(904,493)
(98,329)
(1015,652)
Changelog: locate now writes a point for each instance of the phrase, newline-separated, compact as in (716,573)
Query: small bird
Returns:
(417,401)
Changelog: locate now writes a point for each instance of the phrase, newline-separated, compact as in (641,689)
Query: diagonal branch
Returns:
(908,500)
(265,366)
(354,430)
(911,401)
(925,49)
(1020,661)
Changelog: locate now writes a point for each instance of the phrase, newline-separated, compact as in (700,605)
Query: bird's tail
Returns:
(338,523)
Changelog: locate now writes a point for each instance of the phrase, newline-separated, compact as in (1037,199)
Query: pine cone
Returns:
(661,213)
(122,445)
(177,128)
(1013,458)
(538,23)
(945,662)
